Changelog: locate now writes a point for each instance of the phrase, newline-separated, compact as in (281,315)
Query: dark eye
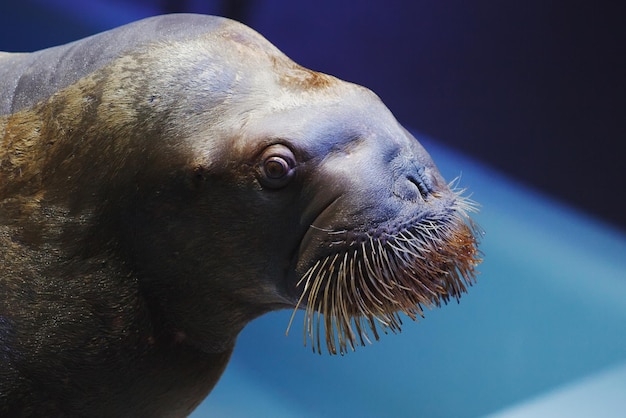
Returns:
(277,166)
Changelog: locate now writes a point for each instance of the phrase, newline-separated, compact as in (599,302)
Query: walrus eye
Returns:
(277,166)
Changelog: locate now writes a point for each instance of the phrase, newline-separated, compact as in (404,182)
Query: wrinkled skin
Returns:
(158,187)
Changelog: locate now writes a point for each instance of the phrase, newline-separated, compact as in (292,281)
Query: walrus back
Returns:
(28,78)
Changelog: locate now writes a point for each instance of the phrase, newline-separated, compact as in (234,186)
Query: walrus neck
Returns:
(211,328)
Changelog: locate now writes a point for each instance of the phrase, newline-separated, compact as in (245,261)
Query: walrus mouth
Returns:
(361,289)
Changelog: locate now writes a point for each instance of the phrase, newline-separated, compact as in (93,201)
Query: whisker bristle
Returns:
(363,288)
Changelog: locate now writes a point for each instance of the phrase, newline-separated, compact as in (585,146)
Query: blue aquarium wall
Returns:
(541,334)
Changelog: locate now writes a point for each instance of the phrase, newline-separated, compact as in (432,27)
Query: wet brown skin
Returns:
(163,184)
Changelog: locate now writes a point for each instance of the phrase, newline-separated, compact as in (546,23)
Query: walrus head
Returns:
(379,232)
(190,162)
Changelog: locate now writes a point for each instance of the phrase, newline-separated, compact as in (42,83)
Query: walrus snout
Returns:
(395,238)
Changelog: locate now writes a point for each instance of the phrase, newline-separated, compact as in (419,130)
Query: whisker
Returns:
(365,285)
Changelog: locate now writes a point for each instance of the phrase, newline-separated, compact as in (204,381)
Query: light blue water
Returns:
(548,312)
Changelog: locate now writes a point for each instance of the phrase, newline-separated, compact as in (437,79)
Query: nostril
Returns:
(420,184)
(413,183)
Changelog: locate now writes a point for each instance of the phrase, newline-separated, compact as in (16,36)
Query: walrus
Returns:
(166,182)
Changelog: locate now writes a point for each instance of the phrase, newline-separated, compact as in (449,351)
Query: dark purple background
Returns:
(534,88)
